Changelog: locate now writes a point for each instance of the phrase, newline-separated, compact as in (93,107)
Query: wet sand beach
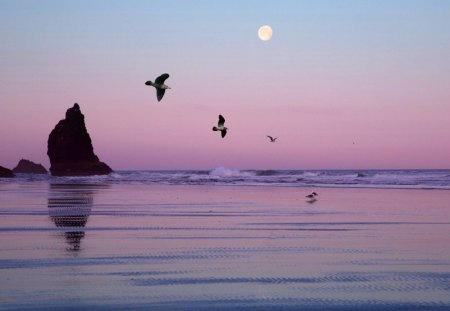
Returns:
(94,246)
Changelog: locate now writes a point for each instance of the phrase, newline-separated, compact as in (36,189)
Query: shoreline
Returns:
(109,180)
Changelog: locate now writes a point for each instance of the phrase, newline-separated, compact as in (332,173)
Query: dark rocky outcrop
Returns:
(29,167)
(6,173)
(70,148)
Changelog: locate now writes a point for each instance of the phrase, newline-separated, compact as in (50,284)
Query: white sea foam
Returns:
(226,172)
(414,179)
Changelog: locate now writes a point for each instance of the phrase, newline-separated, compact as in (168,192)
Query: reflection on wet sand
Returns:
(69,207)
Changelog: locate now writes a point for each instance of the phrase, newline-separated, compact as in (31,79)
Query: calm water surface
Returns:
(96,246)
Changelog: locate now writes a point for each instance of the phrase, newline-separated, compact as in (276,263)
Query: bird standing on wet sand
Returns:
(220,126)
(312,196)
(272,140)
(159,85)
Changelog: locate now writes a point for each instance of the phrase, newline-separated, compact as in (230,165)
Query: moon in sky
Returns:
(265,32)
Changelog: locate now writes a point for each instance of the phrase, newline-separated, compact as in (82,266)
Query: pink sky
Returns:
(320,84)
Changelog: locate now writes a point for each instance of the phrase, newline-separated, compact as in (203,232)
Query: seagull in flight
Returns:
(220,126)
(272,139)
(159,85)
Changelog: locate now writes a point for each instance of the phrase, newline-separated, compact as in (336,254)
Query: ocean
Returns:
(226,239)
(401,179)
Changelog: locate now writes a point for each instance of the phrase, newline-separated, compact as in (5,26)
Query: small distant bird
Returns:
(220,126)
(159,85)
(272,140)
(312,195)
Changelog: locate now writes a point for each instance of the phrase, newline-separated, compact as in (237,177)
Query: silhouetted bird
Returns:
(312,196)
(220,126)
(272,140)
(159,85)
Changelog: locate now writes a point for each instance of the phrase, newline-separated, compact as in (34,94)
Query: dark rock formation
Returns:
(29,167)
(5,173)
(70,148)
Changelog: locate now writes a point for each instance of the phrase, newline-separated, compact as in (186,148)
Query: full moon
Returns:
(265,32)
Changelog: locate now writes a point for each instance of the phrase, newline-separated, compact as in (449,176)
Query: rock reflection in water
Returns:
(69,207)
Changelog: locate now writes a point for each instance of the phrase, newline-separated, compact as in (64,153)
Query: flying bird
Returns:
(272,140)
(220,126)
(159,85)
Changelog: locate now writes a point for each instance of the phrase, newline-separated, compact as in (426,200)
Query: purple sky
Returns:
(343,84)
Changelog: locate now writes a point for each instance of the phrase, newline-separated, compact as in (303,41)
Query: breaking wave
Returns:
(226,172)
(414,179)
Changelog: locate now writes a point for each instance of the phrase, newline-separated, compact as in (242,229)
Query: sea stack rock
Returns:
(70,148)
(5,172)
(29,167)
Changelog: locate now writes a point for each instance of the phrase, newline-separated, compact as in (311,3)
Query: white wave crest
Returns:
(310,174)
(226,172)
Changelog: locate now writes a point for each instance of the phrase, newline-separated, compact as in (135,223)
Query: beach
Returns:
(78,245)
(225,155)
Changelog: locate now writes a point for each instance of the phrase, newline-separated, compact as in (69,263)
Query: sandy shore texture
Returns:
(154,247)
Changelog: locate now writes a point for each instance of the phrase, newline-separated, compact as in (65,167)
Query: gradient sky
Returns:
(372,73)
